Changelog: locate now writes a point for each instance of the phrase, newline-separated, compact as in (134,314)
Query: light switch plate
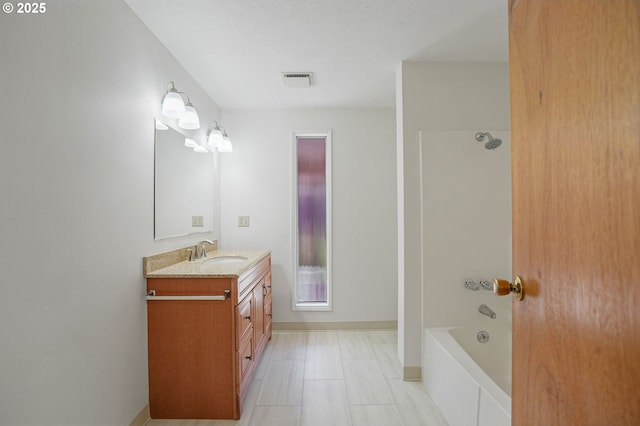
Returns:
(197,221)
(243,221)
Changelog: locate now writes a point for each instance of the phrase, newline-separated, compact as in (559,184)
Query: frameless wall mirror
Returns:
(184,186)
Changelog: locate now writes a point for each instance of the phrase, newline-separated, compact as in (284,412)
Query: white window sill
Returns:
(312,306)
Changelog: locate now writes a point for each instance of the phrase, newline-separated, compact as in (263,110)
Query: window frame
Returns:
(311,306)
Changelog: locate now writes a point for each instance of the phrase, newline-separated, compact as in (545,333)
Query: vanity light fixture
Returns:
(174,107)
(217,138)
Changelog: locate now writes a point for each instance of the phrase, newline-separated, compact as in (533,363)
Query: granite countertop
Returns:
(205,268)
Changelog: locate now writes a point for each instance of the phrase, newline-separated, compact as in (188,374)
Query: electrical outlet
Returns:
(243,221)
(197,221)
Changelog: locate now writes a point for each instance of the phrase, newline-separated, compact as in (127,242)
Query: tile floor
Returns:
(330,378)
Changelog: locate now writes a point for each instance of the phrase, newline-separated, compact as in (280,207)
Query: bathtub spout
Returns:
(485,310)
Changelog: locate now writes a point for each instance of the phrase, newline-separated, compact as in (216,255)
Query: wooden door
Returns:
(575,121)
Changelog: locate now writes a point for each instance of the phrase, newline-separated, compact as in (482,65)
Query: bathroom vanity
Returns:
(209,321)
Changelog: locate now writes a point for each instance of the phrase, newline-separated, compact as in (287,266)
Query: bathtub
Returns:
(468,380)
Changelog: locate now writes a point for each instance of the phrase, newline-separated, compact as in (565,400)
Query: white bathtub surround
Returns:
(464,392)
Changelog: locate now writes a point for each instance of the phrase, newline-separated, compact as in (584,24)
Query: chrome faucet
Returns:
(487,285)
(199,251)
(472,285)
(485,310)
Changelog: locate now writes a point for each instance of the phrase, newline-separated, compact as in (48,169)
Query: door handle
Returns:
(503,287)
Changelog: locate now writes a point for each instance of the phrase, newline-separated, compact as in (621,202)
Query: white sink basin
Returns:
(225,259)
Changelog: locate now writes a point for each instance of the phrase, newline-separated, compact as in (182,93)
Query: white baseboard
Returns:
(142,418)
(348,325)
(412,374)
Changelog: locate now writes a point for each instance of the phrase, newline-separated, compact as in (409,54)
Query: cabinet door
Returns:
(191,366)
(258,324)
(267,307)
(246,364)
(244,318)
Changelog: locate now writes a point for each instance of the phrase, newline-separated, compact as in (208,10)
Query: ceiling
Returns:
(237,49)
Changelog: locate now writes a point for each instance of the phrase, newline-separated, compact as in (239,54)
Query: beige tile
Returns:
(322,337)
(275,416)
(375,415)
(355,345)
(414,404)
(365,383)
(264,362)
(176,422)
(282,384)
(387,357)
(382,336)
(325,403)
(249,402)
(288,345)
(323,362)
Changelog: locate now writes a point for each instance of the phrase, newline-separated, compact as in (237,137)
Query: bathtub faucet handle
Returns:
(471,285)
(487,285)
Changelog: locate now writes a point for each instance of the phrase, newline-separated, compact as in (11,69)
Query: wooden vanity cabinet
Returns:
(203,353)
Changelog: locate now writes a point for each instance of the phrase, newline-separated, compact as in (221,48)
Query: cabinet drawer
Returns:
(243,319)
(245,355)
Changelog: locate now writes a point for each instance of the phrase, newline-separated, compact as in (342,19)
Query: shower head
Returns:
(492,143)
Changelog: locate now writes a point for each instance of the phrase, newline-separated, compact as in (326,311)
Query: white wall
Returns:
(256,181)
(80,87)
(435,96)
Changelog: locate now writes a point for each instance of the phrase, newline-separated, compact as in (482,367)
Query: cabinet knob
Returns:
(248,317)
(247,357)
(269,315)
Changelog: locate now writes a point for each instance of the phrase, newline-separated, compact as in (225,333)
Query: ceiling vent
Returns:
(296,80)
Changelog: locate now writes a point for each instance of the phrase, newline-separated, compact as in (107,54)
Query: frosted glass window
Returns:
(312,218)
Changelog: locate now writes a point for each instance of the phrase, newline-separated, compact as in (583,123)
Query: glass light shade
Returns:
(214,139)
(200,148)
(173,105)
(225,145)
(189,120)
(190,143)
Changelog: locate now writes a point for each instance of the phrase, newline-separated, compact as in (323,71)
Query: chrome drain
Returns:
(483,336)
